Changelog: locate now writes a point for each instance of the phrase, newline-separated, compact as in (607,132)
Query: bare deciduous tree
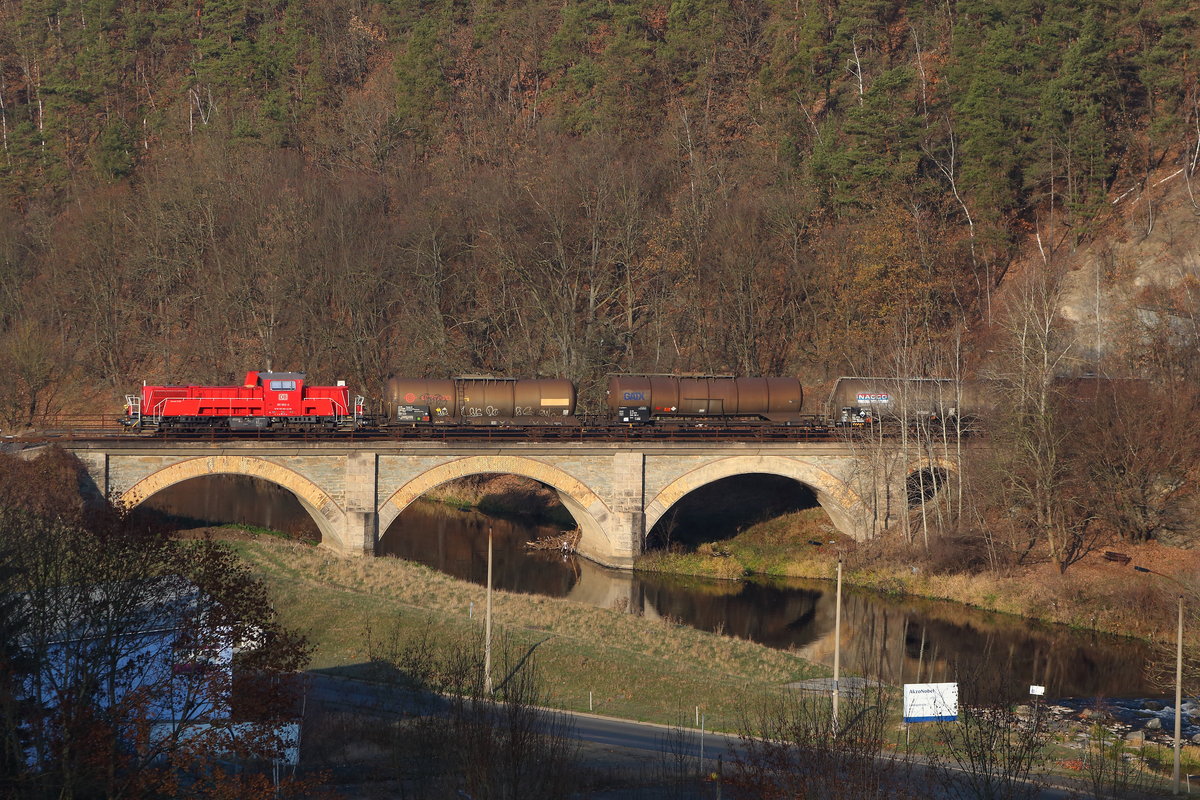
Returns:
(1031,433)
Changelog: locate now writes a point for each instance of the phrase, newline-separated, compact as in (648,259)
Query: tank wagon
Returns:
(862,401)
(264,401)
(475,400)
(649,398)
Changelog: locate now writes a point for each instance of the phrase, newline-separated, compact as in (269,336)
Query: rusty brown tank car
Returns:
(643,398)
(480,400)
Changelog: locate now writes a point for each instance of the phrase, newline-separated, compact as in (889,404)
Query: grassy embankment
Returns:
(1093,594)
(503,496)
(635,668)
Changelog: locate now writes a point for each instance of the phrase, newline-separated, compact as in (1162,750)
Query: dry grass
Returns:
(788,545)
(634,667)
(1094,594)
(503,495)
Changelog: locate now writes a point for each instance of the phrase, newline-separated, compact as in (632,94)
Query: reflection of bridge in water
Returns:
(898,640)
(904,639)
(615,491)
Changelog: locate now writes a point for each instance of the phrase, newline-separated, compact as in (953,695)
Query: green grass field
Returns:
(634,667)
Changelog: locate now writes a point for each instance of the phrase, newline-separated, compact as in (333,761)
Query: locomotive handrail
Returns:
(156,412)
(133,408)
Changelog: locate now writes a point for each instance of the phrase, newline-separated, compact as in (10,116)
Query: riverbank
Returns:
(604,660)
(504,496)
(1095,594)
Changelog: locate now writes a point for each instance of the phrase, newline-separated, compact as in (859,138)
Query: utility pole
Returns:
(837,645)
(1177,787)
(487,625)
(1178,696)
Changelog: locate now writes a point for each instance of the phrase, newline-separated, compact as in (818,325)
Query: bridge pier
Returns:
(361,515)
(627,515)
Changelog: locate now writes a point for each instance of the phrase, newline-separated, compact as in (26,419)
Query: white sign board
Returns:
(930,702)
(1037,690)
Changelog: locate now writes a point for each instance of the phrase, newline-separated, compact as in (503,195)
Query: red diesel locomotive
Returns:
(265,401)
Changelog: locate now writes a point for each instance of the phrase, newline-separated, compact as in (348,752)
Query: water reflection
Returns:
(910,640)
(237,499)
(903,640)
(455,542)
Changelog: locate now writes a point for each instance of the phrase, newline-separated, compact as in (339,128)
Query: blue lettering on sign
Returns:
(635,396)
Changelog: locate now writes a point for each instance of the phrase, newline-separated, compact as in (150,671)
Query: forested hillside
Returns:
(193,189)
(999,188)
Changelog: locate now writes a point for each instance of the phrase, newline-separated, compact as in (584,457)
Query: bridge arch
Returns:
(946,464)
(588,510)
(934,468)
(840,501)
(320,506)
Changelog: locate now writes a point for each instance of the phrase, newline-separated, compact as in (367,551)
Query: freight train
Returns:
(284,401)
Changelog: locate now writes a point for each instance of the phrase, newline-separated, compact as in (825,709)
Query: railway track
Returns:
(76,429)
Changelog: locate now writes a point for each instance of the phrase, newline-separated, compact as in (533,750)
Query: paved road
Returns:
(354,695)
(347,694)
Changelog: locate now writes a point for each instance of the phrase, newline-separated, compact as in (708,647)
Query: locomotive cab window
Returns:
(283,386)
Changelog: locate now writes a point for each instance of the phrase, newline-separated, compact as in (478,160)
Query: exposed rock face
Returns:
(1131,275)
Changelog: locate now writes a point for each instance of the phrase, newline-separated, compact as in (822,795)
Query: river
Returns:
(900,639)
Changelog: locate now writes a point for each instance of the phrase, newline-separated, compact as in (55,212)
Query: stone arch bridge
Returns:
(615,491)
